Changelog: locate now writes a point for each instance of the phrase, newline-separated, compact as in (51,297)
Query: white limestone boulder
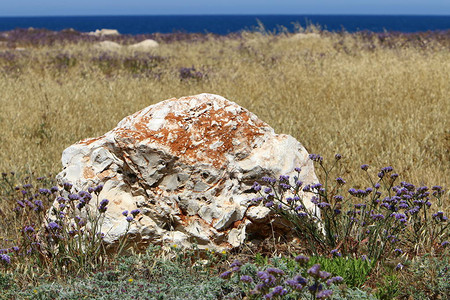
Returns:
(108,46)
(104,32)
(144,46)
(188,165)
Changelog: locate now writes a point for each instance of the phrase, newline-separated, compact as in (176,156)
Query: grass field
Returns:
(377,99)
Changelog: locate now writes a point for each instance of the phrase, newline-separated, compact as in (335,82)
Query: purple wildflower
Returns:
(5,259)
(336,279)
(297,169)
(135,212)
(335,252)
(235,263)
(337,156)
(275,271)
(246,279)
(256,187)
(44,191)
(324,294)
(340,181)
(225,275)
(301,259)
(67,186)
(365,167)
(125,213)
(314,270)
(338,198)
(129,219)
(53,226)
(73,197)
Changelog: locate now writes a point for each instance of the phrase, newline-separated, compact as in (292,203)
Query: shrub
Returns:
(373,221)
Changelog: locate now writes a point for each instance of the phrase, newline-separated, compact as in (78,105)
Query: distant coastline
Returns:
(224,24)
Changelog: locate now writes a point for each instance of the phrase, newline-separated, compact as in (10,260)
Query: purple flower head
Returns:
(340,181)
(44,191)
(298,183)
(67,186)
(394,176)
(269,179)
(267,278)
(279,290)
(246,279)
(236,263)
(268,190)
(275,271)
(387,169)
(307,188)
(104,202)
(324,275)
(91,190)
(439,216)
(5,259)
(338,198)
(337,156)
(377,217)
(135,212)
(61,199)
(445,244)
(256,187)
(335,252)
(28,229)
(381,175)
(269,204)
(399,266)
(125,213)
(21,204)
(285,186)
(316,158)
(54,189)
(324,294)
(73,197)
(398,251)
(129,219)
(297,169)
(323,205)
(336,279)
(225,275)
(377,185)
(284,178)
(364,167)
(314,270)
(53,226)
(15,249)
(316,186)
(27,186)
(98,189)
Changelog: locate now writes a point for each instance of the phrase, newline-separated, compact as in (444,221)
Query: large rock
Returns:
(145,45)
(188,164)
(108,46)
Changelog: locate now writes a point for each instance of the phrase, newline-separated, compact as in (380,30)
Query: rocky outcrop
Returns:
(188,165)
(146,45)
(108,46)
(103,32)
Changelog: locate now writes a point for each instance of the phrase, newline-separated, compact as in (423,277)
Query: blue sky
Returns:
(167,7)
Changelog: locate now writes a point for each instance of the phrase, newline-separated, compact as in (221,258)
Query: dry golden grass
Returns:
(335,94)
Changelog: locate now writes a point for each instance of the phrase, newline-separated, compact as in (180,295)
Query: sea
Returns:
(225,24)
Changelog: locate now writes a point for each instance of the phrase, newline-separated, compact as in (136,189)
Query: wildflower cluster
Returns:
(370,221)
(59,226)
(272,283)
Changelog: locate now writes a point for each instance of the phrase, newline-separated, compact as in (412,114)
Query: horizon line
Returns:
(237,14)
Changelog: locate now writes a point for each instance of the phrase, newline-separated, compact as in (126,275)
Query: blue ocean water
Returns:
(223,24)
